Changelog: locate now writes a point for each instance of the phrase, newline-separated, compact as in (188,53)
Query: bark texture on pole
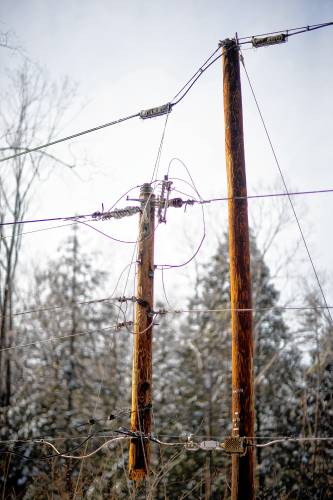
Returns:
(240,277)
(139,453)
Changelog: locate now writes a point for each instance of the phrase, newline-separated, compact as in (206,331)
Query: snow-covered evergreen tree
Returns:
(78,376)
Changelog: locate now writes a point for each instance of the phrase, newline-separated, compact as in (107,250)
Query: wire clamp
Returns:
(190,445)
(124,324)
(163,201)
(209,445)
(269,40)
(158,111)
(234,445)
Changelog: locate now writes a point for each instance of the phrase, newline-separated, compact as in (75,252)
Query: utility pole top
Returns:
(228,43)
(146,189)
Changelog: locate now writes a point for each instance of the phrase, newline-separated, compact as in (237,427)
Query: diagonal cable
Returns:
(287,192)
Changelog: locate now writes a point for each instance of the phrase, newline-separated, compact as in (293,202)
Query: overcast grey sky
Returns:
(126,56)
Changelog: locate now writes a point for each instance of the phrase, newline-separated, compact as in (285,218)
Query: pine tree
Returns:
(317,469)
(204,377)
(66,383)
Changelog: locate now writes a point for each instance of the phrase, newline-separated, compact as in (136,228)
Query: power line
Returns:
(289,439)
(166,311)
(198,72)
(287,192)
(117,213)
(159,152)
(166,109)
(115,328)
(74,218)
(269,195)
(69,137)
(128,211)
(65,454)
(38,230)
(126,435)
(77,303)
(87,455)
(287,31)
(254,309)
(230,445)
(201,71)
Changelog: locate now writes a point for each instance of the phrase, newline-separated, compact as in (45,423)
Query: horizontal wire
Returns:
(96,435)
(117,327)
(38,230)
(290,439)
(229,309)
(289,31)
(268,195)
(73,303)
(76,218)
(62,337)
(127,435)
(104,433)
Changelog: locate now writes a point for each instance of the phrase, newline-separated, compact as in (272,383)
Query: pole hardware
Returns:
(158,111)
(269,40)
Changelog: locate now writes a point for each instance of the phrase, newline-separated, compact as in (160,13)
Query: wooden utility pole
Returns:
(240,278)
(139,453)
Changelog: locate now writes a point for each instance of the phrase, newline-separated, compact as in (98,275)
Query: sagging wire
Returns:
(59,454)
(230,445)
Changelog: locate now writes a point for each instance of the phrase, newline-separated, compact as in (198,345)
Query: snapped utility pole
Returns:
(240,278)
(139,452)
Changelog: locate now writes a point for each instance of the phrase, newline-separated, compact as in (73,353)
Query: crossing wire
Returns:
(76,219)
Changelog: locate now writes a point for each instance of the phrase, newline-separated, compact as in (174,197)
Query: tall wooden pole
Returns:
(139,453)
(240,277)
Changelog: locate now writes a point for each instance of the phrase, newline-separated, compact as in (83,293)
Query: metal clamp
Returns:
(158,111)
(234,445)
